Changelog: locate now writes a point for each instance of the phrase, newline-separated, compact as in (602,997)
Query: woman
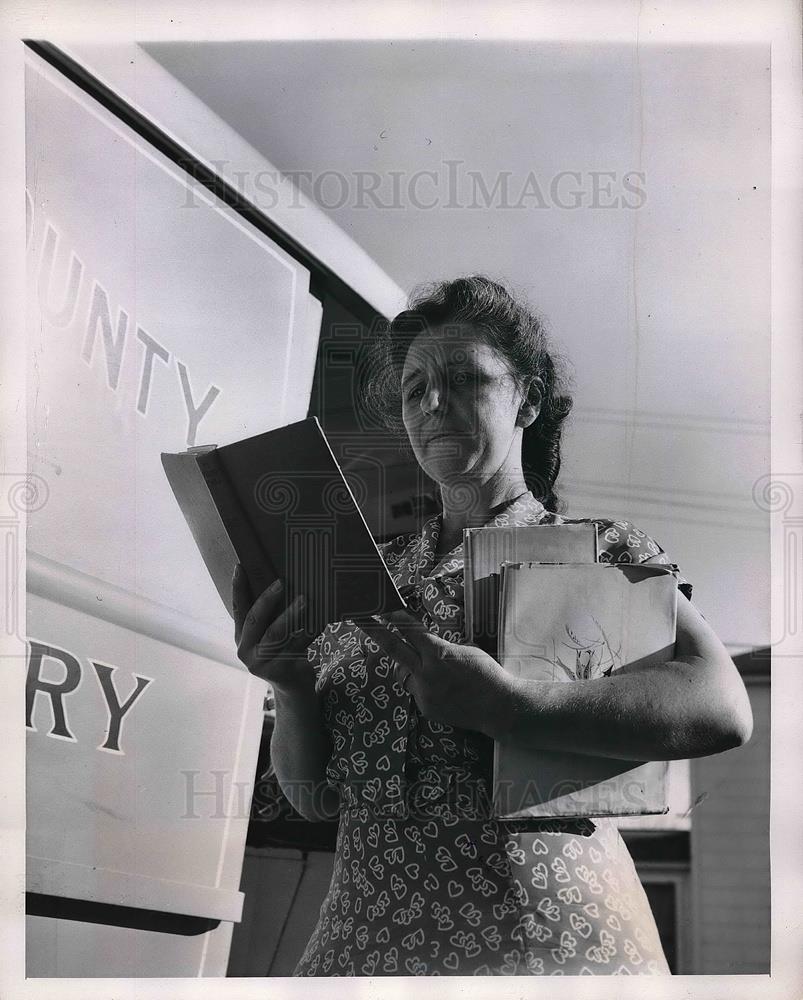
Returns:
(391,725)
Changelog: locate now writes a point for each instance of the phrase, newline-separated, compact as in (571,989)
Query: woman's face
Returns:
(459,406)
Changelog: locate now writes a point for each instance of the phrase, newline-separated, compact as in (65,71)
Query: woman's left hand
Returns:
(456,684)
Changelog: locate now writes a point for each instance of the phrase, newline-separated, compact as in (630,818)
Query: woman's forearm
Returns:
(668,712)
(695,704)
(299,749)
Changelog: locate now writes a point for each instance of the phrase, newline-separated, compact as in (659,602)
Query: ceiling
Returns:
(670,283)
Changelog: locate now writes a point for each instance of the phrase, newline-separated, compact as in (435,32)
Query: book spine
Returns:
(253,558)
(468,590)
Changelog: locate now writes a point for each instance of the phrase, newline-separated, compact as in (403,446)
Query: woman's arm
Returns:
(300,749)
(299,746)
(694,705)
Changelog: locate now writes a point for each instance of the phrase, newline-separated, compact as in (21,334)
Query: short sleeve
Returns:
(394,549)
(387,551)
(623,542)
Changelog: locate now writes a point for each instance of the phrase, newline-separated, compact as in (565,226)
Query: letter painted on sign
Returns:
(151,348)
(194,414)
(100,313)
(55,690)
(62,315)
(117,709)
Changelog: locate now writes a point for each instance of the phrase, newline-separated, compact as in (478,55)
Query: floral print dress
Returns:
(424,882)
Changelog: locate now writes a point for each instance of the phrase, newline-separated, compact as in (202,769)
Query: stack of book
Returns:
(539,600)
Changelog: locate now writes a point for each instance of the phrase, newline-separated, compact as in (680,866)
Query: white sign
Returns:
(158,319)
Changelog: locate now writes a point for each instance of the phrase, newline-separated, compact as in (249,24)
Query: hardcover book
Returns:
(484,551)
(574,624)
(279,504)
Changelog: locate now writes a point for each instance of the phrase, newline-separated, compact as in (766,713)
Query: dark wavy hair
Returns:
(515,331)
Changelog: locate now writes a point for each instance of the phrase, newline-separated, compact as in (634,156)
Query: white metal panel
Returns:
(155,323)
(127,69)
(157,810)
(80,949)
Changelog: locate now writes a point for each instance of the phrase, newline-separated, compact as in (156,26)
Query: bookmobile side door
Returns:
(158,319)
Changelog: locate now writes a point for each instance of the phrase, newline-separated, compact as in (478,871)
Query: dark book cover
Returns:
(286,510)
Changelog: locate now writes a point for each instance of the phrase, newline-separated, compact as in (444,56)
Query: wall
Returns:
(730,851)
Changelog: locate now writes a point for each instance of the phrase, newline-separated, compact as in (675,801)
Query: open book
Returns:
(279,504)
(574,623)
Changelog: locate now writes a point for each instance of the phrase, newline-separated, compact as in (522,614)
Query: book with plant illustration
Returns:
(575,623)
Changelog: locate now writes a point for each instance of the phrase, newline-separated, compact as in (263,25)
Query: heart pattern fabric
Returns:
(424,881)
(455,912)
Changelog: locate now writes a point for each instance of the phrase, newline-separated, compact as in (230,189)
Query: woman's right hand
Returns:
(271,644)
